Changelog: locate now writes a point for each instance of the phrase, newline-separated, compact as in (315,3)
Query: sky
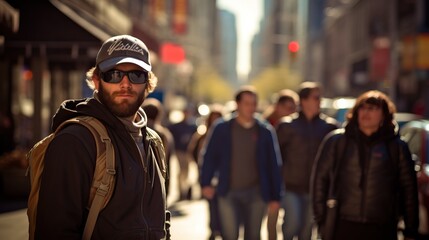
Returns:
(248,14)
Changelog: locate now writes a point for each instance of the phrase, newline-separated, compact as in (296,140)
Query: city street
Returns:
(188,222)
(189,218)
(290,64)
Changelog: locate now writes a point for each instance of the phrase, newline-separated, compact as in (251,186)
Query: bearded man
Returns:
(121,80)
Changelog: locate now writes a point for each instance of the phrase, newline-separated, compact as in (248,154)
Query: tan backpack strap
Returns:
(155,142)
(107,183)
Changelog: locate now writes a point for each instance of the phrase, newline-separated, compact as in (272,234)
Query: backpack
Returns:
(104,174)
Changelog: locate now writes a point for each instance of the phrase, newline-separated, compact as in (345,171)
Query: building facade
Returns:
(378,45)
(44,59)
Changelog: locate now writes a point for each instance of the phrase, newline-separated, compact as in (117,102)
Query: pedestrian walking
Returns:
(154,112)
(285,104)
(372,173)
(121,79)
(300,135)
(182,132)
(243,153)
(195,146)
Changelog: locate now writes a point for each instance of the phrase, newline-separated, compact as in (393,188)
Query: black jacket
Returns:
(299,140)
(137,207)
(376,178)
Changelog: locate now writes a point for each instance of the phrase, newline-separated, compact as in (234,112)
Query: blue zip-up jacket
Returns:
(217,159)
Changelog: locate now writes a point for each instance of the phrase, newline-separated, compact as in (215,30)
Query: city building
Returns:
(228,49)
(378,45)
(47,46)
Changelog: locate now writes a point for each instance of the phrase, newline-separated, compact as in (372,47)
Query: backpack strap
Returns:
(158,148)
(104,191)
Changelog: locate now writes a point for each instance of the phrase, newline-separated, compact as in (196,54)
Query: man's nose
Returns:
(125,81)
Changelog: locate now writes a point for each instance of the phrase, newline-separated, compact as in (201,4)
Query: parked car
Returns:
(403,117)
(416,134)
(339,107)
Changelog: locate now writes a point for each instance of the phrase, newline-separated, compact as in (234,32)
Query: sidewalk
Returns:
(14,225)
(189,221)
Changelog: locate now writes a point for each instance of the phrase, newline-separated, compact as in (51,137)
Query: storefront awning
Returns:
(67,30)
(9,17)
(84,19)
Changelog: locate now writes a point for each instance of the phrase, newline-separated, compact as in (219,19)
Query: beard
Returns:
(122,109)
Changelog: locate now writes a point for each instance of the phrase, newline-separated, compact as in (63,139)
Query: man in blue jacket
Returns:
(243,154)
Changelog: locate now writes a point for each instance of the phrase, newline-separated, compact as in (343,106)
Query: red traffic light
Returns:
(293,46)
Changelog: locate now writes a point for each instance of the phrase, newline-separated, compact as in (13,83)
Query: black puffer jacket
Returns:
(376,180)
(137,207)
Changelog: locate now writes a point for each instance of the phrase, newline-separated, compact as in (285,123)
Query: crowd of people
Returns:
(290,158)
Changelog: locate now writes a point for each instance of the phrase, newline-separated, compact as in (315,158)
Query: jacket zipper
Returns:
(364,184)
(150,156)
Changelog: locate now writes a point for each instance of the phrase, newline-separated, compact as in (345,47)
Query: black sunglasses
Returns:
(116,76)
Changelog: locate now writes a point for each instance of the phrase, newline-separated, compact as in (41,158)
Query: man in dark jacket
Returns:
(300,135)
(121,80)
(154,112)
(375,178)
(243,153)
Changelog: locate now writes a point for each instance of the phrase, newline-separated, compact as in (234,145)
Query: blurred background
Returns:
(202,50)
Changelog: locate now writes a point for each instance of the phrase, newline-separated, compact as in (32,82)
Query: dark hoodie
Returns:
(137,207)
(376,178)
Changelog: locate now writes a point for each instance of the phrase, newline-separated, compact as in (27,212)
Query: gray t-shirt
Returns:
(244,169)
